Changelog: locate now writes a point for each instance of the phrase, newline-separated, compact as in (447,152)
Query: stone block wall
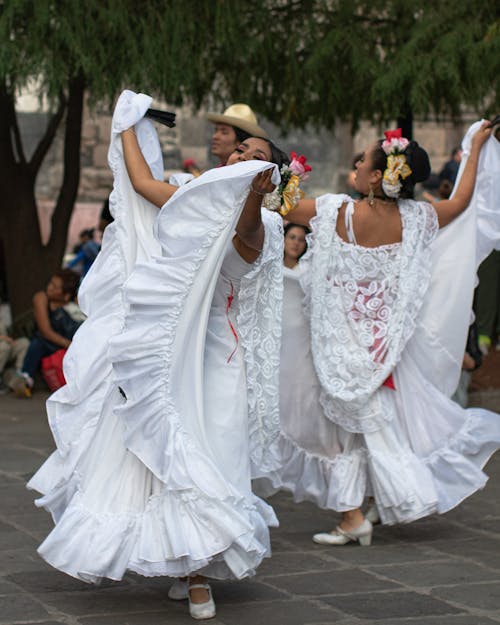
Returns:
(329,152)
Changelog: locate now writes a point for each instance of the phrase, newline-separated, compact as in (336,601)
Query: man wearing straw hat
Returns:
(237,123)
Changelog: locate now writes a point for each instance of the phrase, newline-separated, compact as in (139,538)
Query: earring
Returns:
(371,196)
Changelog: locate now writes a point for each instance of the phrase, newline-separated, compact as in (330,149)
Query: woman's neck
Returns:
(380,199)
(290,262)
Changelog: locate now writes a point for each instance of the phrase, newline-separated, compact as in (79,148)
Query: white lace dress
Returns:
(155,477)
(345,434)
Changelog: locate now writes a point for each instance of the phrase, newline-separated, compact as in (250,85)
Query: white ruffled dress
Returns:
(172,385)
(402,309)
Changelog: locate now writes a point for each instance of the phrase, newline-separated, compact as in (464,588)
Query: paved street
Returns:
(439,571)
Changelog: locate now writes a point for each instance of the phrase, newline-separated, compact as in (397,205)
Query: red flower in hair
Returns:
(393,134)
(299,165)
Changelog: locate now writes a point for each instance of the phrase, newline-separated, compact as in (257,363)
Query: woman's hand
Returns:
(262,184)
(482,134)
(448,210)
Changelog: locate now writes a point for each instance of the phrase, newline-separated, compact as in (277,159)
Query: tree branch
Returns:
(17,137)
(71,177)
(48,137)
(12,138)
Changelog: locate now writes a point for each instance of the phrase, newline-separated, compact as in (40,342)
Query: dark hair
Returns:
(88,232)
(418,161)
(241,135)
(277,155)
(445,189)
(70,280)
(356,159)
(291,225)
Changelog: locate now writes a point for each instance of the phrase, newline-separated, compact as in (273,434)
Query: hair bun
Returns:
(419,163)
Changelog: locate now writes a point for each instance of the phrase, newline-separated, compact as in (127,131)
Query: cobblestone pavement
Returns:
(444,570)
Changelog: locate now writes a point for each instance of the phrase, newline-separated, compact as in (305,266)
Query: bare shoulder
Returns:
(341,227)
(40,297)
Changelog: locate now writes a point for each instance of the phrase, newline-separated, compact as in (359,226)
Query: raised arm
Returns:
(302,215)
(249,238)
(155,191)
(448,210)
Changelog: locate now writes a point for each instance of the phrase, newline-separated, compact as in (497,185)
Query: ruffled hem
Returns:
(457,465)
(179,532)
(405,486)
(133,521)
(337,483)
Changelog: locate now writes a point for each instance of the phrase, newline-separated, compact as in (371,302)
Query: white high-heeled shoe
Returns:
(179,590)
(372,514)
(362,534)
(203,610)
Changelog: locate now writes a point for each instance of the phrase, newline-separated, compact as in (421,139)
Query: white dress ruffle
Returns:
(429,453)
(141,483)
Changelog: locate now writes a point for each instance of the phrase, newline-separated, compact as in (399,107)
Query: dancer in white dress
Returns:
(372,414)
(172,380)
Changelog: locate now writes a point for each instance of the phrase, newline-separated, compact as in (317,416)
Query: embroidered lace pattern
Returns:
(363,304)
(259,322)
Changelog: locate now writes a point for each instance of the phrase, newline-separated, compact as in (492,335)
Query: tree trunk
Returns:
(28,263)
(405,122)
(24,267)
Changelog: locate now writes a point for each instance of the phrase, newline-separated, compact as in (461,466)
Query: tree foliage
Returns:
(295,62)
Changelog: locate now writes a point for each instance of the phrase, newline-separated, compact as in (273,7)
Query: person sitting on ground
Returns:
(443,192)
(235,125)
(12,352)
(86,252)
(450,168)
(57,318)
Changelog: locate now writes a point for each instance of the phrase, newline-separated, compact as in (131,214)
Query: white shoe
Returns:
(372,514)
(178,590)
(204,610)
(362,533)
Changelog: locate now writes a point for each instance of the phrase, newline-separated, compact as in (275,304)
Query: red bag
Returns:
(52,370)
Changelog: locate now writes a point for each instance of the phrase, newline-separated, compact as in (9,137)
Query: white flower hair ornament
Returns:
(397,167)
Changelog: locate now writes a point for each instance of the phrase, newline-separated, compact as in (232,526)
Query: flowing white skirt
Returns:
(145,483)
(113,514)
(427,459)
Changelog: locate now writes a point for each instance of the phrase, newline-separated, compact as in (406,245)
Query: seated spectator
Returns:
(12,352)
(57,318)
(450,168)
(443,192)
(86,252)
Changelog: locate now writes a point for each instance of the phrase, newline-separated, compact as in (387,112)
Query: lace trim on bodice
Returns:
(363,304)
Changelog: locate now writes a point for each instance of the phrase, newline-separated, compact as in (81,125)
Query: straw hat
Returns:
(241,116)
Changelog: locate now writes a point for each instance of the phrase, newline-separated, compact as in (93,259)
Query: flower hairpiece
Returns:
(397,166)
(288,193)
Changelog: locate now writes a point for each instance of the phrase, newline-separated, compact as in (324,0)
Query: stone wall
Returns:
(329,153)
